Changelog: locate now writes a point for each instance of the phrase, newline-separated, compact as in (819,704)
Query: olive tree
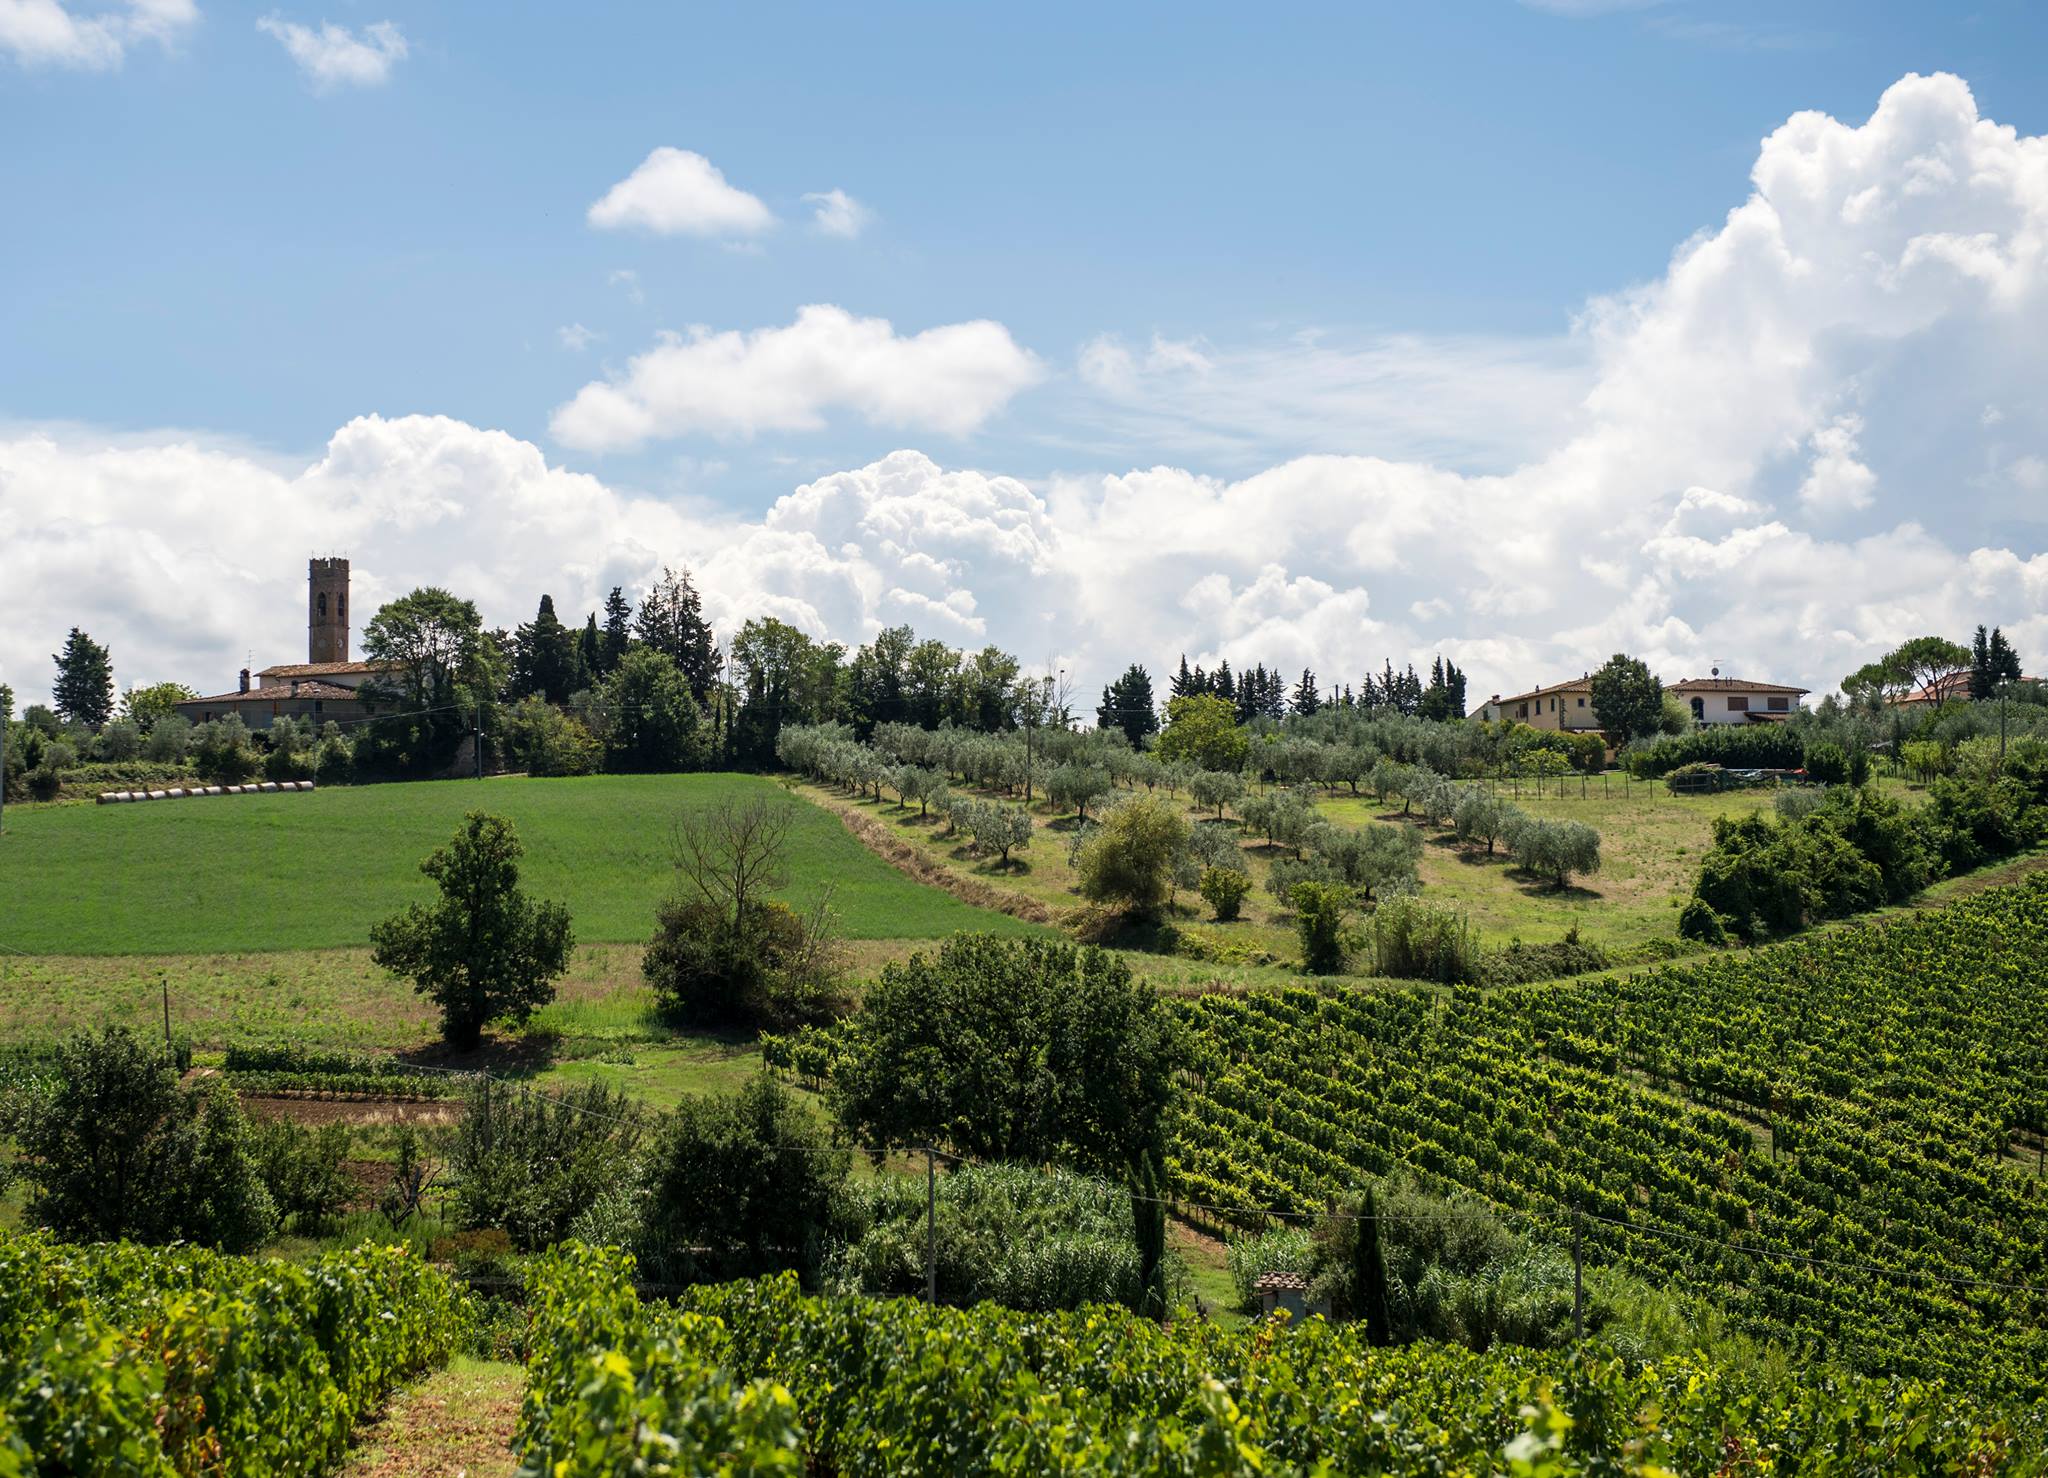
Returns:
(1216,789)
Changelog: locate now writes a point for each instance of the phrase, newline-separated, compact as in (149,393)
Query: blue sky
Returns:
(1367,204)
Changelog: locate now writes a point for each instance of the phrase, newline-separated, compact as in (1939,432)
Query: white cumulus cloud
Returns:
(1898,265)
(675,192)
(52,33)
(948,379)
(334,56)
(836,213)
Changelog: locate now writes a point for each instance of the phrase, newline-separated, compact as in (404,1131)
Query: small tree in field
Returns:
(1129,860)
(485,949)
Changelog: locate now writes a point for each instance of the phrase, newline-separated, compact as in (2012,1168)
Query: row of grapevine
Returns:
(1733,1125)
(756,1377)
(123,1361)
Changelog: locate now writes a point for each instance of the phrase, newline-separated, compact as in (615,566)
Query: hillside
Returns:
(293,872)
(1841,1140)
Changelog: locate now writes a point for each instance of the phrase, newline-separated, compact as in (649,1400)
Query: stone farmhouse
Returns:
(322,688)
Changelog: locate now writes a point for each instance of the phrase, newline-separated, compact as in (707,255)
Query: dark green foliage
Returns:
(1016,1235)
(485,949)
(1855,851)
(1012,1049)
(1827,762)
(1127,705)
(113,1146)
(1698,920)
(671,622)
(1224,890)
(1369,1274)
(1736,747)
(1519,963)
(546,662)
(1628,701)
(1148,1221)
(742,1184)
(1128,860)
(1320,910)
(448,669)
(530,1163)
(303,1169)
(84,689)
(776,970)
(654,723)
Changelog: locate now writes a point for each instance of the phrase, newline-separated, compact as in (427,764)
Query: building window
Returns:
(1738,703)
(1582,703)
(1781,704)
(323,605)
(1522,711)
(1699,709)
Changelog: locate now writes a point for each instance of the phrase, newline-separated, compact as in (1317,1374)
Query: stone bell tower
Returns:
(327,610)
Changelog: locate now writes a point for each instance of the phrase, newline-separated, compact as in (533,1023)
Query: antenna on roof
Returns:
(1716,669)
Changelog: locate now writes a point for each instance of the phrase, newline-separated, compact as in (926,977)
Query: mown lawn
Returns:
(237,875)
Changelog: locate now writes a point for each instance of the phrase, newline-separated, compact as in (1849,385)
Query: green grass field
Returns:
(293,872)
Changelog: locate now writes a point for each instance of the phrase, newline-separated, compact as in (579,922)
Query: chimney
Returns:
(245,679)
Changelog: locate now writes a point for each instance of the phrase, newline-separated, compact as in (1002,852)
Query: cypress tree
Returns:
(1148,1213)
(84,689)
(1369,1276)
(1983,680)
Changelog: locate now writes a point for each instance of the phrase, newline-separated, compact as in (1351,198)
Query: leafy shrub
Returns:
(1796,802)
(1827,762)
(1320,910)
(113,1146)
(1698,920)
(775,968)
(1224,890)
(1520,963)
(1413,939)
(1013,1235)
(120,739)
(44,783)
(1129,860)
(740,1184)
(529,1163)
(303,1169)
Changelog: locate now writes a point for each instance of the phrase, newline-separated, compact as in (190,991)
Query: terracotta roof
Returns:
(281,693)
(327,669)
(1280,1283)
(1947,688)
(1570,685)
(1728,685)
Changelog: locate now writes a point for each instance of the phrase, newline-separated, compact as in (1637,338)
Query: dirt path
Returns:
(457,1423)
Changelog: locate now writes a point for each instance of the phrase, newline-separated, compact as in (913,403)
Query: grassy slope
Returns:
(287,872)
(1651,846)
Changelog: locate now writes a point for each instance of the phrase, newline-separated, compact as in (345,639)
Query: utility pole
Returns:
(165,979)
(931,1229)
(477,733)
(4,719)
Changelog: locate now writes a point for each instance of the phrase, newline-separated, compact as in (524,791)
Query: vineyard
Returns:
(129,1362)
(754,1377)
(1839,1140)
